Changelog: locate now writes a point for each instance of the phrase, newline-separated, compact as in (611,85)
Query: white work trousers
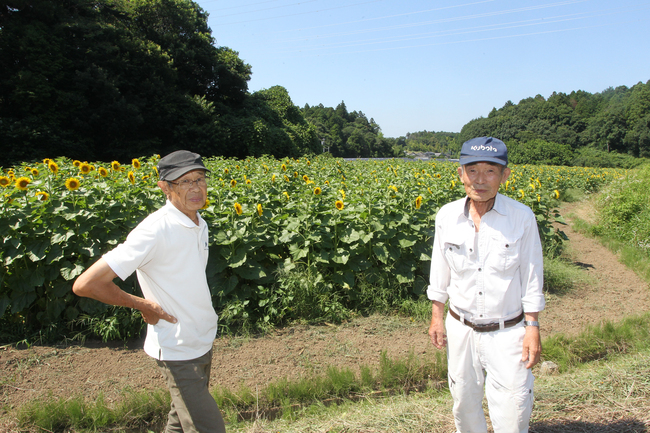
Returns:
(492,359)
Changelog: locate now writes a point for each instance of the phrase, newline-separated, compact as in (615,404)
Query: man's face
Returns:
(188,198)
(482,179)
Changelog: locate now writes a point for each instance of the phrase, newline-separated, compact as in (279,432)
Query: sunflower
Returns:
(131,177)
(342,193)
(259,209)
(43,195)
(233,183)
(155,169)
(308,162)
(556,193)
(286,194)
(393,187)
(34,172)
(54,168)
(5,181)
(418,202)
(317,191)
(46,161)
(207,203)
(327,182)
(284,167)
(22,182)
(248,181)
(339,204)
(84,168)
(72,183)
(273,178)
(522,194)
(539,198)
(103,172)
(76,163)
(115,165)
(295,174)
(145,177)
(286,178)
(238,208)
(135,162)
(305,178)
(226,171)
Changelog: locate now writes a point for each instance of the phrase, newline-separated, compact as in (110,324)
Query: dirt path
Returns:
(300,350)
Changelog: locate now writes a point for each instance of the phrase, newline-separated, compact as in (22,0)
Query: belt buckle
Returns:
(485,327)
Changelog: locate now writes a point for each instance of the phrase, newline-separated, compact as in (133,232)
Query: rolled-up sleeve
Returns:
(440,273)
(532,269)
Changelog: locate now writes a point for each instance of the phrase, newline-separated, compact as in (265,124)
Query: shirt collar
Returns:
(180,217)
(498,206)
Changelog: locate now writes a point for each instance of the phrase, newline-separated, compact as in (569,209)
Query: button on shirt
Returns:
(492,274)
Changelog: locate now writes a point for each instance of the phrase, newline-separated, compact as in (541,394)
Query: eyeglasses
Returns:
(186,184)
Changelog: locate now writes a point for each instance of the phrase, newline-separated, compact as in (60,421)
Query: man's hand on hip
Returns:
(152,313)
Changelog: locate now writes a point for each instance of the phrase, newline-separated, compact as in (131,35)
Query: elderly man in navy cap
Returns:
(487,263)
(168,251)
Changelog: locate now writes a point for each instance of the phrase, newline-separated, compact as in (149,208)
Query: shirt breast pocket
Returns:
(456,255)
(505,254)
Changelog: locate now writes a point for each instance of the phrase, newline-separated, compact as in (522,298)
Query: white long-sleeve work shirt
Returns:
(492,274)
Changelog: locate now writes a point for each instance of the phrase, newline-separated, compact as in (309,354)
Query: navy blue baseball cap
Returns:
(484,149)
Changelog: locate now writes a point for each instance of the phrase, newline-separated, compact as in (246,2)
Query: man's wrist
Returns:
(531,323)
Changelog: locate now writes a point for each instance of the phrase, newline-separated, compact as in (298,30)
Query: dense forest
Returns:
(114,79)
(349,135)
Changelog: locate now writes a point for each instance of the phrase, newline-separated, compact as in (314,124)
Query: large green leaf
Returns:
(70,271)
(37,251)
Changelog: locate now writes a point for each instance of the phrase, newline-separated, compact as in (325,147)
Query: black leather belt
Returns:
(487,327)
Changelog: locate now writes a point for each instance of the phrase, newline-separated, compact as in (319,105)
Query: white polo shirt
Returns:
(169,254)
(491,274)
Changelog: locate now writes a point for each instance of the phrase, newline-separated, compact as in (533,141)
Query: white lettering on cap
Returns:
(487,148)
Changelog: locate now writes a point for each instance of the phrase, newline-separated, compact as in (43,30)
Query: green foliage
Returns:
(590,157)
(615,121)
(313,239)
(347,135)
(623,210)
(539,152)
(114,79)
(431,141)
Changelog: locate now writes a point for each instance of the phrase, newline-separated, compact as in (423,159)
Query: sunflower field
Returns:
(313,238)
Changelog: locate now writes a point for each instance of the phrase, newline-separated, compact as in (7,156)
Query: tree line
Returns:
(106,80)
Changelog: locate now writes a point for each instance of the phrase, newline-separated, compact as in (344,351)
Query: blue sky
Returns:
(415,65)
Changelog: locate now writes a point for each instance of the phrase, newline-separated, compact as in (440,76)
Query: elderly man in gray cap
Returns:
(487,263)
(168,251)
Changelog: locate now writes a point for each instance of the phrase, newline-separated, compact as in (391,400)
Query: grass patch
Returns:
(561,275)
(598,342)
(136,411)
(604,396)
